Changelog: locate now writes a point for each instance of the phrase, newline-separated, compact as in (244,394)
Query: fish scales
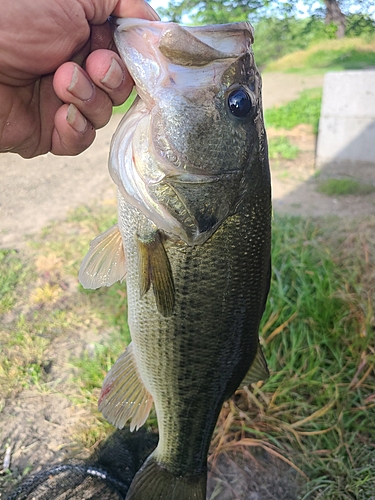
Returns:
(192,241)
(201,359)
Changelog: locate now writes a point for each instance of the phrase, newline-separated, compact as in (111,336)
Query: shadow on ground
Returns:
(107,474)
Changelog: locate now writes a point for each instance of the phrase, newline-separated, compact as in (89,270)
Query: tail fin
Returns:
(154,482)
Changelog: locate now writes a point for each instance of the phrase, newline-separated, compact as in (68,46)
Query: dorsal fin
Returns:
(104,263)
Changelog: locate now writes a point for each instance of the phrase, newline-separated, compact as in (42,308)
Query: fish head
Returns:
(194,142)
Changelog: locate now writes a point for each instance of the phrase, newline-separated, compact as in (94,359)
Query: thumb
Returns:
(98,11)
(135,8)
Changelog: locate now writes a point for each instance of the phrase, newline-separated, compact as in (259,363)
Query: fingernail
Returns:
(75,119)
(114,76)
(80,86)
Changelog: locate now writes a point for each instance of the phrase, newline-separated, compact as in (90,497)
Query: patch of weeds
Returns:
(89,436)
(305,109)
(69,241)
(348,479)
(54,307)
(46,294)
(340,187)
(94,365)
(92,368)
(13,274)
(317,333)
(316,412)
(281,147)
(23,359)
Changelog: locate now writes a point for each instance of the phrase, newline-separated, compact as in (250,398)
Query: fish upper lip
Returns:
(150,41)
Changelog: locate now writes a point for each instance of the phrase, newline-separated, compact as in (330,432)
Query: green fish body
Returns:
(193,240)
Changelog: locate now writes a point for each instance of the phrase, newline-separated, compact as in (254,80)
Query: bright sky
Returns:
(158,3)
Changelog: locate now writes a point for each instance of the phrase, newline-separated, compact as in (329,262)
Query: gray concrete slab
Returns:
(346,140)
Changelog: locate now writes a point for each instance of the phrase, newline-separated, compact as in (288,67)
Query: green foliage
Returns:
(12,274)
(94,365)
(123,108)
(318,331)
(339,187)
(23,361)
(276,37)
(360,25)
(225,11)
(305,109)
(213,11)
(278,28)
(281,147)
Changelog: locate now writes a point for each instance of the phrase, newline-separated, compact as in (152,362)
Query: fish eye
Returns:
(240,103)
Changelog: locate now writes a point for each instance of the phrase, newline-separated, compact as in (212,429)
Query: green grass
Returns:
(305,109)
(123,108)
(281,147)
(328,55)
(318,407)
(13,274)
(340,60)
(341,187)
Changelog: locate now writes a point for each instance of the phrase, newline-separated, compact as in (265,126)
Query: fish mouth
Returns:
(187,196)
(159,55)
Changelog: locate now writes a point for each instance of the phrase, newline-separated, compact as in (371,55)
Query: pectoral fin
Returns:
(124,396)
(104,263)
(155,269)
(258,370)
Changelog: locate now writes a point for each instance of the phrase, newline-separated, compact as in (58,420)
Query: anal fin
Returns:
(104,263)
(155,269)
(258,369)
(124,396)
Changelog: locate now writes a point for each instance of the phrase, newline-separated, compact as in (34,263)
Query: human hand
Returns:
(48,101)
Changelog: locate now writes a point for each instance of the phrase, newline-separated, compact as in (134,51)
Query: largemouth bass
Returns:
(193,240)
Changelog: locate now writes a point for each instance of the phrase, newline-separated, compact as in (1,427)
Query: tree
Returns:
(225,11)
(335,15)
(215,11)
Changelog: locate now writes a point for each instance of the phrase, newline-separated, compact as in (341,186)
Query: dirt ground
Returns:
(38,191)
(34,192)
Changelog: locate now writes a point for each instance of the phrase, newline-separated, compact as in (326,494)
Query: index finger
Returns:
(97,11)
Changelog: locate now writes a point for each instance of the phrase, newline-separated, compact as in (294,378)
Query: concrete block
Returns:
(347,122)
